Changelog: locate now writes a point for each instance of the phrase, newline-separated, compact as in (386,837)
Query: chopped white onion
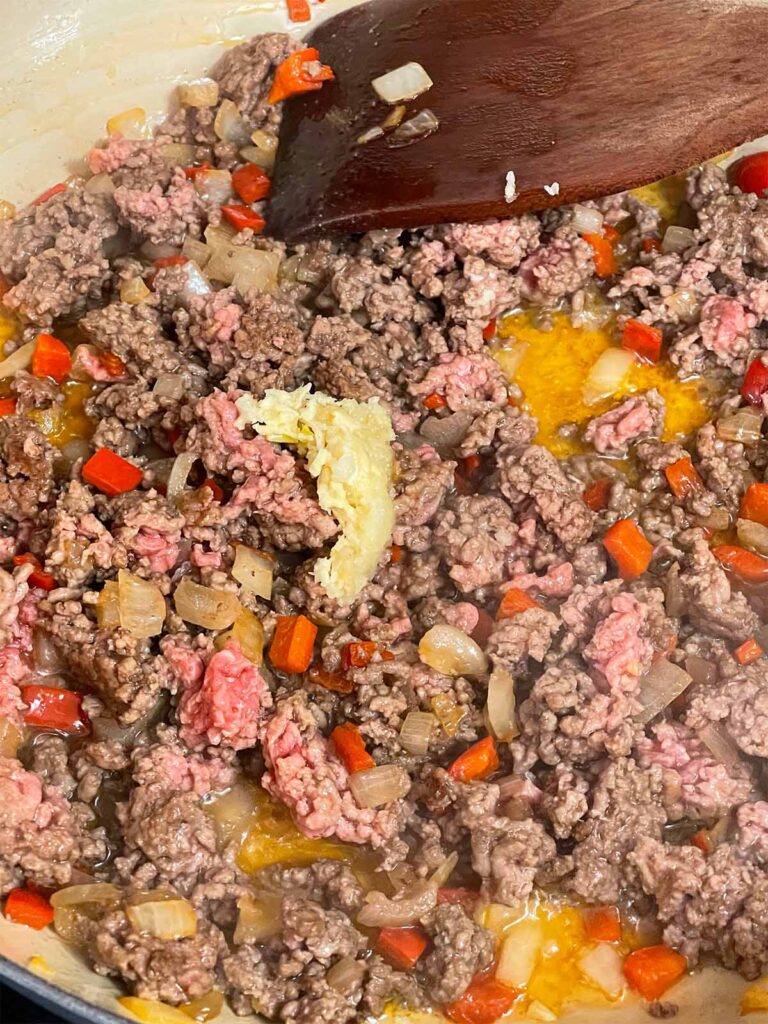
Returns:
(538,1011)
(677,239)
(444,870)
(520,952)
(219,236)
(263,150)
(245,268)
(141,604)
(346,975)
(163,919)
(203,92)
(404,83)
(414,129)
(377,132)
(133,291)
(701,671)
(100,184)
(169,385)
(509,359)
(716,739)
(752,535)
(416,731)
(607,374)
(196,250)
(108,606)
(659,687)
(745,426)
(602,965)
(500,707)
(406,907)
(75,895)
(394,117)
(203,606)
(179,154)
(450,651)
(254,571)
(214,186)
(7,210)
(233,813)
(177,481)
(449,713)
(18,360)
(231,126)
(248,633)
(131,124)
(717,520)
(259,917)
(194,282)
(378,786)
(586,220)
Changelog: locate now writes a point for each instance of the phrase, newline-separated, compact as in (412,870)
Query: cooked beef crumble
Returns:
(631,774)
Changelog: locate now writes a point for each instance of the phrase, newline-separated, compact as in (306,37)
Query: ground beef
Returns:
(423,482)
(26,469)
(459,950)
(634,418)
(528,635)
(330,882)
(475,535)
(710,601)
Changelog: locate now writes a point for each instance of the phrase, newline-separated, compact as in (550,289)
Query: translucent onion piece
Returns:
(77,448)
(449,714)
(219,237)
(443,871)
(263,150)
(133,291)
(603,967)
(520,953)
(202,93)
(108,606)
(700,670)
(394,117)
(509,359)
(755,998)
(346,975)
(404,83)
(416,731)
(74,895)
(752,535)
(586,220)
(254,571)
(718,519)
(259,275)
(170,385)
(231,126)
(131,124)
(206,1008)
(78,906)
(100,184)
(501,705)
(45,654)
(258,918)
(179,154)
(377,132)
(248,633)
(142,605)
(150,1011)
(745,426)
(7,210)
(607,374)
(659,687)
(677,239)
(214,186)
(233,812)
(196,250)
(719,743)
(379,786)
(10,738)
(450,651)
(107,729)
(203,606)
(414,129)
(194,282)
(19,360)
(164,919)
(684,303)
(404,908)
(177,481)
(446,431)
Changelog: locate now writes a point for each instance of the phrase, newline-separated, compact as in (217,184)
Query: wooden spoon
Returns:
(594,95)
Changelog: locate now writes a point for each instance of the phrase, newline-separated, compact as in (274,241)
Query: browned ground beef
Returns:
(593,798)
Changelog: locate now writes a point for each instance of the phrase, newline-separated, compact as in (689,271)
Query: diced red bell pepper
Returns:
(514,602)
(51,358)
(755,383)
(598,494)
(192,172)
(25,906)
(395,555)
(651,245)
(754,504)
(478,762)
(7,406)
(402,947)
(292,643)
(293,76)
(298,10)
(49,193)
(251,183)
(604,256)
(243,217)
(750,174)
(38,577)
(52,707)
(702,841)
(170,261)
(459,896)
(748,652)
(435,401)
(483,1002)
(337,682)
(683,478)
(489,331)
(602,924)
(350,747)
(630,549)
(214,488)
(360,653)
(747,565)
(642,339)
(654,969)
(114,366)
(110,473)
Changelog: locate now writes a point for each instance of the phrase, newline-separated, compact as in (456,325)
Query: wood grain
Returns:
(598,95)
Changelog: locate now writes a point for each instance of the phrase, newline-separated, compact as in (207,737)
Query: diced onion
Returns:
(177,481)
(193,282)
(245,268)
(231,126)
(179,154)
(151,1011)
(509,359)
(164,919)
(205,1008)
(684,304)
(203,606)
(755,998)
(133,291)
(446,431)
(76,907)
(414,129)
(586,220)
(219,236)
(74,895)
(501,705)
(607,374)
(404,83)
(443,871)
(378,786)
(602,965)
(108,606)
(10,738)
(196,250)
(258,919)
(141,604)
(214,186)
(744,426)
(450,651)
(415,732)
(406,907)
(100,184)
(448,712)
(18,360)
(131,124)
(718,519)
(394,117)
(659,687)
(719,743)
(233,813)
(346,975)
(202,93)
(263,150)
(7,210)
(701,671)
(170,385)
(370,135)
(752,535)
(677,239)
(520,952)
(248,632)
(254,571)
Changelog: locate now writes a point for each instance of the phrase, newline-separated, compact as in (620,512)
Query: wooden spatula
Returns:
(594,95)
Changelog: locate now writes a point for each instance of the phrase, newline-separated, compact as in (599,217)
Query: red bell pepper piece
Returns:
(642,339)
(653,970)
(489,331)
(294,76)
(49,193)
(298,10)
(25,906)
(110,473)
(755,383)
(38,577)
(52,707)
(51,358)
(435,401)
(605,259)
(683,478)
(192,172)
(292,643)
(350,747)
(479,761)
(602,924)
(754,504)
(483,1002)
(651,245)
(628,546)
(747,565)
(337,682)
(598,494)
(402,947)
(214,488)
(748,652)
(514,602)
(360,653)
(242,217)
(7,406)
(251,183)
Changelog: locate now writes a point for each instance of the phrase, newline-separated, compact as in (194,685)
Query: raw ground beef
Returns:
(200,754)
